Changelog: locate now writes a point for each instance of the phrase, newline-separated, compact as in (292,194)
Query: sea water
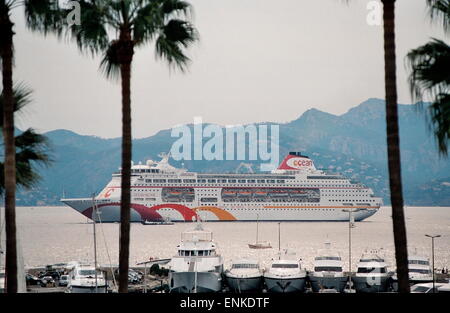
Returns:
(60,234)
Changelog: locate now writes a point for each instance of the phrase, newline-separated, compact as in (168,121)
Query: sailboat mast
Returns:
(257,229)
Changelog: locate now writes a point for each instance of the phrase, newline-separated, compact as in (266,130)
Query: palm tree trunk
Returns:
(125,54)
(393,146)
(6,47)
(124,248)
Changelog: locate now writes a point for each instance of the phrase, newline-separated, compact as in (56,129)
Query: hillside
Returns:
(353,143)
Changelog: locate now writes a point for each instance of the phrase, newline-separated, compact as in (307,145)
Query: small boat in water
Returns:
(327,272)
(197,267)
(245,276)
(372,274)
(259,244)
(84,278)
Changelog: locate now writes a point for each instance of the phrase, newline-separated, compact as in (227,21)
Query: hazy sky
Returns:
(257,60)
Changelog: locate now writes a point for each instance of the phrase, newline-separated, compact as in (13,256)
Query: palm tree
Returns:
(115,29)
(430,75)
(393,146)
(31,148)
(7,56)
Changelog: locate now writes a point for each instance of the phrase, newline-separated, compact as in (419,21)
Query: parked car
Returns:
(48,281)
(428,288)
(63,280)
(54,274)
(32,280)
(134,277)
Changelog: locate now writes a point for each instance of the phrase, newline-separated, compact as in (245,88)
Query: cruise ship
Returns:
(295,191)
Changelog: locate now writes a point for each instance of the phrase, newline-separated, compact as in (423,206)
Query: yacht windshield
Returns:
(372,260)
(284,265)
(418,262)
(420,271)
(371,270)
(420,289)
(86,272)
(328,269)
(335,258)
(245,266)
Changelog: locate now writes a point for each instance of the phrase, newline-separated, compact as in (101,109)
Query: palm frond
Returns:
(440,115)
(146,22)
(91,35)
(45,16)
(22,97)
(176,8)
(429,66)
(430,78)
(32,151)
(175,36)
(439,10)
(110,65)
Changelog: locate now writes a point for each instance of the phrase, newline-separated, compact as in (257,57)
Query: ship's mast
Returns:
(279,241)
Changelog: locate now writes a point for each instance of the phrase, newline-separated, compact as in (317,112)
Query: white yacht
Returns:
(82,279)
(197,267)
(285,275)
(372,274)
(245,276)
(327,272)
(419,271)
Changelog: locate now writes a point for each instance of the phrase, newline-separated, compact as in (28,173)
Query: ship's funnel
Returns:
(295,161)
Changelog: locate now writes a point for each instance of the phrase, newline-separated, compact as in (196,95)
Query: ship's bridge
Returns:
(154,167)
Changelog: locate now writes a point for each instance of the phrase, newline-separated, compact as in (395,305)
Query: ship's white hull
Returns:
(285,285)
(327,282)
(187,282)
(109,211)
(244,284)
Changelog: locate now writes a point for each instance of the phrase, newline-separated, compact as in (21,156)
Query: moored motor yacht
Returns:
(327,272)
(244,276)
(197,267)
(84,278)
(372,274)
(285,275)
(419,271)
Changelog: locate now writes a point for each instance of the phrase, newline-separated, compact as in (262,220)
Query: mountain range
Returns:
(353,144)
